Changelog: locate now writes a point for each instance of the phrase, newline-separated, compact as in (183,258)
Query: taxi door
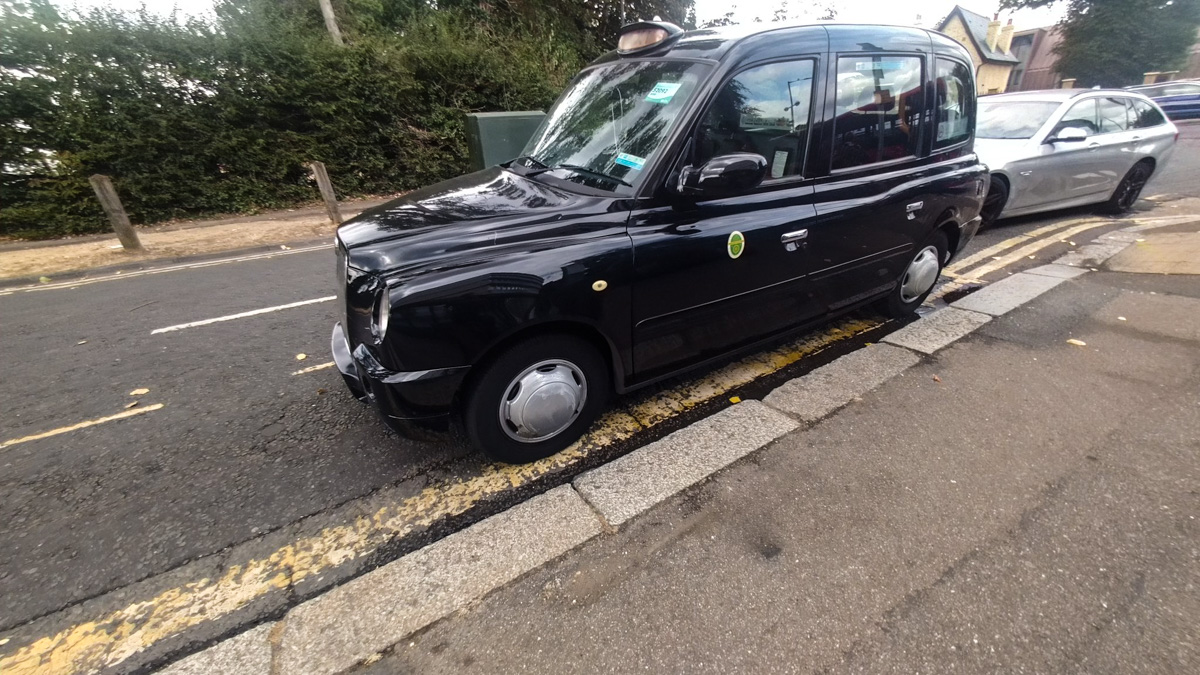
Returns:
(711,275)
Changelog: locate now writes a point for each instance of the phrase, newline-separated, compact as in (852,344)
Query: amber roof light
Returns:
(643,35)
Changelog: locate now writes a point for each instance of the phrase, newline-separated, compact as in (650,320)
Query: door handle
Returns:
(912,209)
(1093,146)
(791,241)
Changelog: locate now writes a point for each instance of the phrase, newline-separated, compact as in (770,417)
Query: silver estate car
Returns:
(1069,147)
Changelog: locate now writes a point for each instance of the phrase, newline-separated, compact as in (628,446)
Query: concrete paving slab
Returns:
(634,483)
(1007,294)
(930,333)
(1092,254)
(245,654)
(350,623)
(832,386)
(1173,253)
(1059,271)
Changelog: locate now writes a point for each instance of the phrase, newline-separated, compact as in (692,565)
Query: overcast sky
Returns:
(904,12)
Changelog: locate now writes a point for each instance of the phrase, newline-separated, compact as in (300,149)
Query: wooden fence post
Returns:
(111,203)
(326,188)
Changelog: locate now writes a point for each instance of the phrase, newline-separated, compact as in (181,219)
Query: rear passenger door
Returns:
(871,202)
(1116,140)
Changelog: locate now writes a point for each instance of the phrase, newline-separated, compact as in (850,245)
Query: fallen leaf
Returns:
(301,357)
(139,392)
(936,378)
(1077,343)
(320,391)
(127,407)
(735,399)
(44,280)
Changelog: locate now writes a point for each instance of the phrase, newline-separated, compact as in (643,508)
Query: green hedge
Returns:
(191,118)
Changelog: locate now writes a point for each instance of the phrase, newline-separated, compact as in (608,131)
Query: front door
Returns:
(713,275)
(1070,172)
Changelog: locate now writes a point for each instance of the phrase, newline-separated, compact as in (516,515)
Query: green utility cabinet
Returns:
(497,137)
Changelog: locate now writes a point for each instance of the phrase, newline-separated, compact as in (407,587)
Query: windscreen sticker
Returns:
(663,92)
(879,65)
(632,161)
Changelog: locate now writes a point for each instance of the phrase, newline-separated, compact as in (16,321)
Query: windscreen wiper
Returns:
(582,169)
(540,165)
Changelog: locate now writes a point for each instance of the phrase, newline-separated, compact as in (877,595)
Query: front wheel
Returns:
(1129,189)
(918,279)
(536,398)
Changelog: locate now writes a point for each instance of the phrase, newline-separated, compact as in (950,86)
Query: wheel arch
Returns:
(574,327)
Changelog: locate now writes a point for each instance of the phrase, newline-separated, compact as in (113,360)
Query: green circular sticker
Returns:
(736,244)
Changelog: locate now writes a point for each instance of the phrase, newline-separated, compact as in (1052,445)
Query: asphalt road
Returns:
(241,446)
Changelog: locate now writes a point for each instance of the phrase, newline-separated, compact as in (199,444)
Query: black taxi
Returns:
(690,195)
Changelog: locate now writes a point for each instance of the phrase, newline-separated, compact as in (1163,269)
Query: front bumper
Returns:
(420,399)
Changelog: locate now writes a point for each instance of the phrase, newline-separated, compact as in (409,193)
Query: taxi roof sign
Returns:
(644,35)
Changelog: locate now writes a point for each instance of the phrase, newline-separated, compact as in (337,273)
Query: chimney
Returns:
(993,33)
(1005,42)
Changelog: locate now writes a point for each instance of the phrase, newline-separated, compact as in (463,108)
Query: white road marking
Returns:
(159,270)
(313,369)
(82,425)
(242,315)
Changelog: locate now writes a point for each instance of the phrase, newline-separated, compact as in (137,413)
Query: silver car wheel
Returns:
(921,274)
(543,401)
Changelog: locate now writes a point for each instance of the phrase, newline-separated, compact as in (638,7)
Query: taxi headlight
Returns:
(379,319)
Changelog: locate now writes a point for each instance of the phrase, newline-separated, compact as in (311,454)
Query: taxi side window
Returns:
(880,102)
(763,110)
(1082,115)
(955,104)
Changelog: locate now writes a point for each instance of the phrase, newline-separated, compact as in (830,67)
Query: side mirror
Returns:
(1068,135)
(723,176)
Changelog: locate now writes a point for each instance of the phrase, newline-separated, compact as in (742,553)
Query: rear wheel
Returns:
(536,398)
(1129,189)
(993,204)
(918,279)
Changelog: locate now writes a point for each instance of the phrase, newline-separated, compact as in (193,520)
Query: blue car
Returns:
(1180,100)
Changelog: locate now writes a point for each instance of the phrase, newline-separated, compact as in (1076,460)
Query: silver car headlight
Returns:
(379,318)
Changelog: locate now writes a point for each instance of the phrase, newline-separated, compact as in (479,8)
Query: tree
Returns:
(192,117)
(1112,43)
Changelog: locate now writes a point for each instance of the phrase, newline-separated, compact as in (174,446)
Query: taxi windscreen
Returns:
(612,120)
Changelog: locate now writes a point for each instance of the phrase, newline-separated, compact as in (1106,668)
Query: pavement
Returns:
(1012,503)
(245,482)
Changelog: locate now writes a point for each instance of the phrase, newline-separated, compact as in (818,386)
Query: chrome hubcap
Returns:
(543,401)
(921,274)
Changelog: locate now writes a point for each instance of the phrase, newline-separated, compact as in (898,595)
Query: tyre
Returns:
(536,398)
(918,279)
(993,204)
(1129,189)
